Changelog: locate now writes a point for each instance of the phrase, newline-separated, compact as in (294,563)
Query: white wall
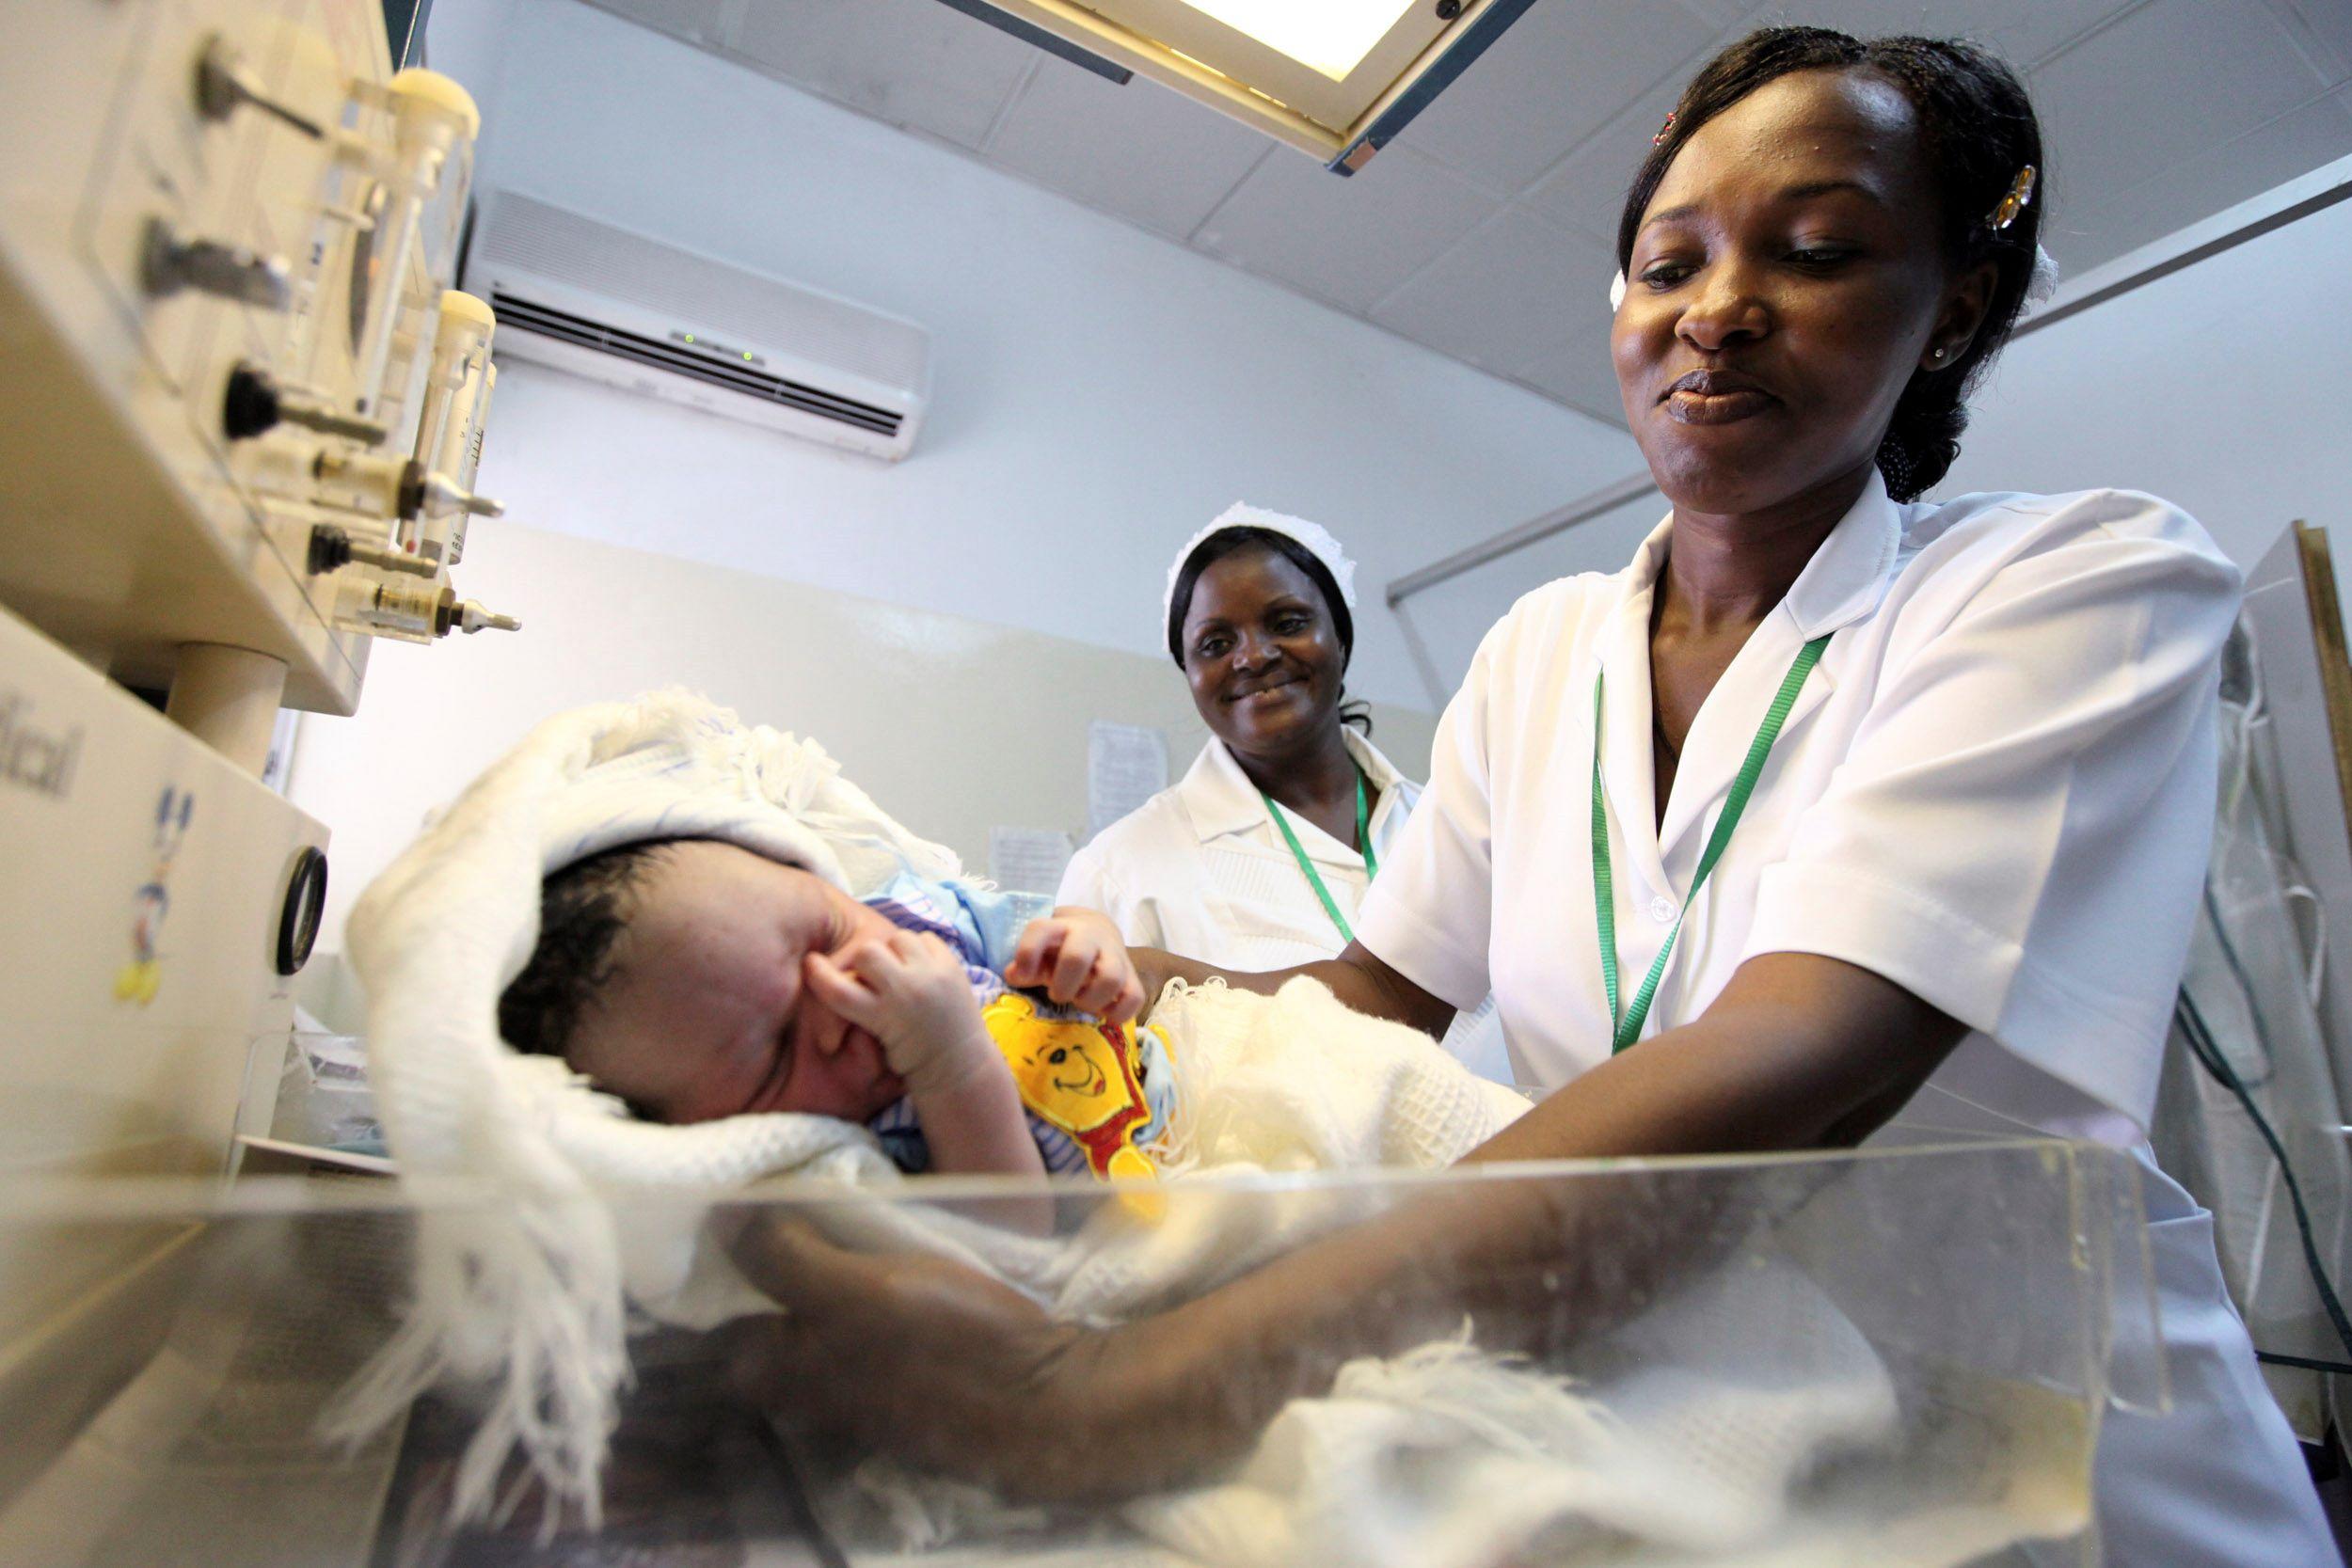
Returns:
(1099,394)
(954,725)
(2222,388)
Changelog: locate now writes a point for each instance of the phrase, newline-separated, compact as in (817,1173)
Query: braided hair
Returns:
(1976,129)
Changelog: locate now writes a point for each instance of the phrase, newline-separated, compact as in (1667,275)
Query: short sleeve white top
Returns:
(1201,869)
(1995,790)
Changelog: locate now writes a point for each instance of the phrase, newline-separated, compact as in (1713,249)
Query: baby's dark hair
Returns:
(583,909)
(1978,130)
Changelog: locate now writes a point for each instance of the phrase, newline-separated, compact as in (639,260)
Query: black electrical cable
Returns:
(2209,1056)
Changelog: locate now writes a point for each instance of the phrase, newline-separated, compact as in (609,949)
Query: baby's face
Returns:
(708,1014)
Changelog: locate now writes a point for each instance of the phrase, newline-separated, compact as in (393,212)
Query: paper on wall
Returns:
(1126,765)
(1029,859)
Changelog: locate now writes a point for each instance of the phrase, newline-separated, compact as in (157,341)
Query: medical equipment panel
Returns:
(156,902)
(1778,1377)
(242,409)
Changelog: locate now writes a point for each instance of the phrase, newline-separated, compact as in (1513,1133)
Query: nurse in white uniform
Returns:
(1829,795)
(1260,855)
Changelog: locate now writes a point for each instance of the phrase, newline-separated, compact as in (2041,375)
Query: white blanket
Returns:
(1714,1404)
(1435,1458)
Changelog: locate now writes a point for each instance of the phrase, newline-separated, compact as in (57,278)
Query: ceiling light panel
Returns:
(1334,78)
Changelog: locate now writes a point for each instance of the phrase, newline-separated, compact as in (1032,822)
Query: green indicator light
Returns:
(689,336)
(747,354)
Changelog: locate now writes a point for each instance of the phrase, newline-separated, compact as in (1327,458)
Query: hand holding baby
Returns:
(1078,959)
(910,992)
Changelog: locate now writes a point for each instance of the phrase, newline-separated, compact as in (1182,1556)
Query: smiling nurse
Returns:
(1260,856)
(1830,795)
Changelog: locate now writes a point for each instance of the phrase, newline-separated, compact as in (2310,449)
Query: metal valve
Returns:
(169,264)
(222,82)
(407,490)
(467,616)
(414,611)
(332,549)
(431,494)
(254,402)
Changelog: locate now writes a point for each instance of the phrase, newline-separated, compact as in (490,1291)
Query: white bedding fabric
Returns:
(1439,1457)
(1446,1457)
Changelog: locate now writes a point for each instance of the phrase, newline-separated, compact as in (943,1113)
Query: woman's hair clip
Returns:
(1664,130)
(2016,200)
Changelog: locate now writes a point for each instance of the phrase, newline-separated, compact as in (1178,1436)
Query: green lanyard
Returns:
(1626,1026)
(1363,836)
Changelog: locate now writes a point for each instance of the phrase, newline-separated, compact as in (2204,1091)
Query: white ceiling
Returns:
(1486,230)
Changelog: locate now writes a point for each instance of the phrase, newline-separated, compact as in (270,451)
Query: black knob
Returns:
(250,406)
(330,548)
(298,913)
(1449,9)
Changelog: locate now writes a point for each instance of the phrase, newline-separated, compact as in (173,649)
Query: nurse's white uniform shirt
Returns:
(1995,791)
(1201,869)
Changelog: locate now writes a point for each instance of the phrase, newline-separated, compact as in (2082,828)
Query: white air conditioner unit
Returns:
(633,312)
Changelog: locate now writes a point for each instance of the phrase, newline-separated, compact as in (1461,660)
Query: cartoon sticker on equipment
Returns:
(1109,1085)
(138,980)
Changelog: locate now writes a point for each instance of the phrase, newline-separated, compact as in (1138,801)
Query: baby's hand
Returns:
(1076,954)
(910,992)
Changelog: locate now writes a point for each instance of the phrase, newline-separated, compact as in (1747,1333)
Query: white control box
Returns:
(157,900)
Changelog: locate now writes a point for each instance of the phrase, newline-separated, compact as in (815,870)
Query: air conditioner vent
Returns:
(638,313)
(518,312)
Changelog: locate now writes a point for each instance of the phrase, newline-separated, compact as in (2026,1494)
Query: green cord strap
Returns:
(1315,879)
(1626,1027)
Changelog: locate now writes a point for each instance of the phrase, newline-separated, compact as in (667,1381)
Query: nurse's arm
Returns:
(955,1373)
(1358,977)
(1798,1051)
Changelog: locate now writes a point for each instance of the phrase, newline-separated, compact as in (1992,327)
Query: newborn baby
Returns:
(696,980)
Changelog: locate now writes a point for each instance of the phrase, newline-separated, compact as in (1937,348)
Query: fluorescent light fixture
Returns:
(1328,36)
(1334,78)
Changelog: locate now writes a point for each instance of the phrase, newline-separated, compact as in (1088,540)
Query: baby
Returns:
(696,980)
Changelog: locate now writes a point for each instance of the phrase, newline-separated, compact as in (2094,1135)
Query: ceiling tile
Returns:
(2294,144)
(914,63)
(1587,189)
(1140,150)
(1723,13)
(1350,241)
(1560,72)
(2160,88)
(2323,30)
(1506,298)
(1579,371)
(698,22)
(2020,31)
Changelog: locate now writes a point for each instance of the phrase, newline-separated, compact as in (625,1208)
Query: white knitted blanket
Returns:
(1705,1414)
